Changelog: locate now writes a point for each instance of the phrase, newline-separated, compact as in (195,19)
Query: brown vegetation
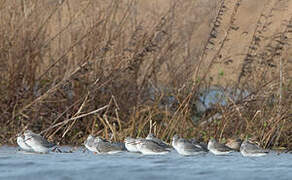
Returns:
(71,68)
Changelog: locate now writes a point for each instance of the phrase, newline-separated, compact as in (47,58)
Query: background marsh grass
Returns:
(144,62)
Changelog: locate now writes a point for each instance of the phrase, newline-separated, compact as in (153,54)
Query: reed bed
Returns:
(71,68)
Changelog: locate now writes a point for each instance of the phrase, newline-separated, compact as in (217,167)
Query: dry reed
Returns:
(73,68)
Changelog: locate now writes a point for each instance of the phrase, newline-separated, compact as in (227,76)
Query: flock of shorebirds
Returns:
(32,142)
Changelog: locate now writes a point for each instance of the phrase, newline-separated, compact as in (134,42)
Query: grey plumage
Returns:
(100,145)
(120,145)
(37,142)
(201,145)
(152,137)
(220,147)
(104,146)
(217,148)
(149,147)
(38,138)
(249,149)
(187,147)
(190,146)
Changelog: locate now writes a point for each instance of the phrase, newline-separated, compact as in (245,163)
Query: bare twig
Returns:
(74,118)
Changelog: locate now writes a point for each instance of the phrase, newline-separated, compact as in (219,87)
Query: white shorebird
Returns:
(217,148)
(186,147)
(152,137)
(252,150)
(37,142)
(131,144)
(90,143)
(149,147)
(101,146)
(105,147)
(22,144)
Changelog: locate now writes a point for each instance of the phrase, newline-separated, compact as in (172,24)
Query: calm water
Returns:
(79,165)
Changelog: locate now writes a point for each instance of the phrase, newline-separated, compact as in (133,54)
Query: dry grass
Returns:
(70,68)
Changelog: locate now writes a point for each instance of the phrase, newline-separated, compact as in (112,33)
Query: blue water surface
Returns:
(86,165)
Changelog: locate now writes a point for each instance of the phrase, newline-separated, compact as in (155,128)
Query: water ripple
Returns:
(18,164)
(5,157)
(129,166)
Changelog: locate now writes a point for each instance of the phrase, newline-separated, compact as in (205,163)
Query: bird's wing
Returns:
(43,141)
(188,146)
(107,147)
(155,146)
(200,145)
(221,147)
(255,149)
(161,143)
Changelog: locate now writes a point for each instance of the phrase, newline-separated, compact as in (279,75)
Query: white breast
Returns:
(22,144)
(36,146)
(131,147)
